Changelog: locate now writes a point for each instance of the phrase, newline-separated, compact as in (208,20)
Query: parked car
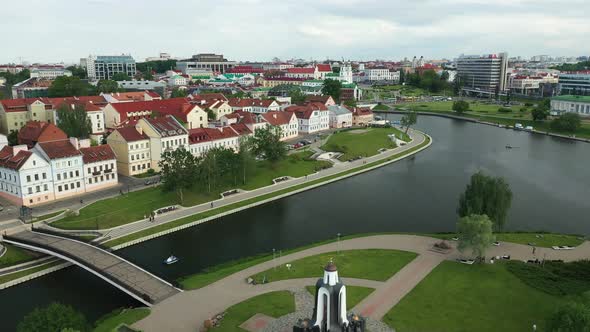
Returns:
(148,182)
(297,145)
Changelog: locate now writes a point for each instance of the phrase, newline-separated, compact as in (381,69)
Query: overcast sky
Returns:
(66,30)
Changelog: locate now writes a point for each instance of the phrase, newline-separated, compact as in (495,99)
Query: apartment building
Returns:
(103,67)
(312,117)
(286,121)
(165,134)
(576,83)
(100,167)
(132,150)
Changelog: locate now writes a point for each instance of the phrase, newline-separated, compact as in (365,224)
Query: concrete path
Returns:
(188,310)
(417,138)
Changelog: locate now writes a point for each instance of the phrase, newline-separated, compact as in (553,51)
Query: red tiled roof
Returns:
(98,153)
(360,111)
(209,96)
(276,118)
(282,78)
(37,132)
(245,70)
(220,133)
(130,134)
(7,160)
(247,117)
(301,70)
(317,99)
(241,129)
(59,149)
(306,111)
(198,135)
(133,96)
(178,107)
(324,68)
(20,105)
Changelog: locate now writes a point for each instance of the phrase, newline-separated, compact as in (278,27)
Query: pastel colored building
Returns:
(132,150)
(165,134)
(312,117)
(340,116)
(286,121)
(100,167)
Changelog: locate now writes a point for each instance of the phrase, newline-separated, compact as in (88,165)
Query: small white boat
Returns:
(171,260)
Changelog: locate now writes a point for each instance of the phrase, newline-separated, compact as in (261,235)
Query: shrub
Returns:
(151,171)
(528,104)
(504,110)
(567,122)
(523,109)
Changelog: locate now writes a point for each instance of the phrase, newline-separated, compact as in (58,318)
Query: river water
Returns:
(549,177)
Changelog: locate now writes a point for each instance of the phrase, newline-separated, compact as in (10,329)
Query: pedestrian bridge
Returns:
(128,277)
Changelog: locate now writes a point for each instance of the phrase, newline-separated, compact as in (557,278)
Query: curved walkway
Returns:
(188,310)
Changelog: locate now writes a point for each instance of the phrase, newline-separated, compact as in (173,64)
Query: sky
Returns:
(259,30)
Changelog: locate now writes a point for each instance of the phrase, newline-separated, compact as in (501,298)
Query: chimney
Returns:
(17,148)
(274,115)
(84,143)
(75,142)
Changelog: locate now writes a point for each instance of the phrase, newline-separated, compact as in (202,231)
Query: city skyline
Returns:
(304,29)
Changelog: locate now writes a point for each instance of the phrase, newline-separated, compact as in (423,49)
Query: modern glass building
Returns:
(104,67)
(487,73)
(575,84)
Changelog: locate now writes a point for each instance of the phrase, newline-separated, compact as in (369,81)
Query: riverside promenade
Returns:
(188,310)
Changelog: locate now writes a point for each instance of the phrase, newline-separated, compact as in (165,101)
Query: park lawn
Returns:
(274,304)
(361,142)
(489,113)
(371,264)
(209,213)
(354,294)
(457,297)
(133,206)
(120,316)
(15,255)
(294,165)
(381,107)
(47,216)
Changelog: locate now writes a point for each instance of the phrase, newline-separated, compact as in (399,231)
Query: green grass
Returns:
(489,113)
(354,294)
(109,322)
(381,107)
(15,255)
(556,278)
(135,205)
(47,216)
(209,213)
(362,142)
(16,275)
(457,297)
(274,304)
(372,264)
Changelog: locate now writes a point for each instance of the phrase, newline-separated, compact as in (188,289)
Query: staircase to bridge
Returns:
(128,277)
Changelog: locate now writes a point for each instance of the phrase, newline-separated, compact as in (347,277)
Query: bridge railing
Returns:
(77,259)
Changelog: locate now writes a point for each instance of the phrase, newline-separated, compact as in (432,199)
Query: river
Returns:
(548,176)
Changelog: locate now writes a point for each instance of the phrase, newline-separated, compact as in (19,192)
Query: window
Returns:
(30,190)
(133,168)
(77,173)
(36,177)
(71,174)
(45,187)
(90,181)
(59,188)
(69,163)
(37,189)
(58,177)
(89,171)
(78,184)
(28,178)
(66,187)
(44,176)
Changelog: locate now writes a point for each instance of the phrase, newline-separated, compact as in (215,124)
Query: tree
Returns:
(65,86)
(178,171)
(267,142)
(475,232)
(350,103)
(539,113)
(147,75)
(54,317)
(12,137)
(332,88)
(247,161)
(402,76)
(486,195)
(211,115)
(74,121)
(444,76)
(460,106)
(78,72)
(159,66)
(178,93)
(409,119)
(108,86)
(570,317)
(297,97)
(120,77)
(569,122)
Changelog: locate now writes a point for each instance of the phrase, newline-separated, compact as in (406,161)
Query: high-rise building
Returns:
(487,73)
(103,67)
(208,62)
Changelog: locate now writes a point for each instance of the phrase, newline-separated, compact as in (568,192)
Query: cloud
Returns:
(260,30)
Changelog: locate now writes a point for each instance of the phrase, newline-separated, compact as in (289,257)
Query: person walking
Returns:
(211,204)
(534,250)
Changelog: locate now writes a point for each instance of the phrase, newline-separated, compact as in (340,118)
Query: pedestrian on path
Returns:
(534,250)
(211,204)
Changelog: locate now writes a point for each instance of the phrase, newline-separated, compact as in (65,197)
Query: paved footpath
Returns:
(417,139)
(188,310)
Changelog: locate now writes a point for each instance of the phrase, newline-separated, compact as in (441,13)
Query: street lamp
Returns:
(338,243)
(273,259)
